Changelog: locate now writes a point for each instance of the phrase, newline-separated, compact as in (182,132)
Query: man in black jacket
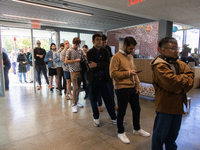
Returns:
(97,77)
(39,54)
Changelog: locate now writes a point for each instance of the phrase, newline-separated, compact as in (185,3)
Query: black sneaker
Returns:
(51,89)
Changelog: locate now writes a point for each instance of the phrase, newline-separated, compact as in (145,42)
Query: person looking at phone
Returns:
(127,88)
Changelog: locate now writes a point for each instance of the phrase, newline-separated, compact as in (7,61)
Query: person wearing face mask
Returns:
(172,79)
(73,59)
(52,66)
(127,88)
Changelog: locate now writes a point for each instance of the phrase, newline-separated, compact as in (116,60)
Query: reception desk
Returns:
(146,75)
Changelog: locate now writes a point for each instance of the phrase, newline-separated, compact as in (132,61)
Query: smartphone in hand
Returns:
(138,71)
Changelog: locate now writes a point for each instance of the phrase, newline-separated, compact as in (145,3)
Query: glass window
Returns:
(86,39)
(69,36)
(192,39)
(178,35)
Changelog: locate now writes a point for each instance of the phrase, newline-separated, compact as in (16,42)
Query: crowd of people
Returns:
(104,75)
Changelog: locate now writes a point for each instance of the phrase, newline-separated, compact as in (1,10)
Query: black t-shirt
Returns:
(38,60)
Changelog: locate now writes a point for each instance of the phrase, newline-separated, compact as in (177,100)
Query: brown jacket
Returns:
(166,82)
(120,65)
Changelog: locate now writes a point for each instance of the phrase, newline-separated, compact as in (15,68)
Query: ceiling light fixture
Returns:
(51,7)
(43,20)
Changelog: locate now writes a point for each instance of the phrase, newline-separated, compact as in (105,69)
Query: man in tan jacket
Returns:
(127,87)
(172,79)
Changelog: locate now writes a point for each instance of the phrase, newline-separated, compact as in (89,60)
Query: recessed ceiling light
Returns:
(51,7)
(28,18)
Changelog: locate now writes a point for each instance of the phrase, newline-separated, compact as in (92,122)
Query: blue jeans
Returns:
(165,131)
(20,76)
(101,86)
(14,67)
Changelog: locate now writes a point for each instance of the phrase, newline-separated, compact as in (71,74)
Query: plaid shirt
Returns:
(73,54)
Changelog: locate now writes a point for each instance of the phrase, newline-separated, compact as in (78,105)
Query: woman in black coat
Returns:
(22,60)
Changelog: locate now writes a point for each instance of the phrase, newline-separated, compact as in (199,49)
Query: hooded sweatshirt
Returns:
(169,78)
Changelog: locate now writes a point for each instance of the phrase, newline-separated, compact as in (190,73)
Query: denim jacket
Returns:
(56,59)
(46,59)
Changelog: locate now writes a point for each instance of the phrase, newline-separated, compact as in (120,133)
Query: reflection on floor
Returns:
(44,121)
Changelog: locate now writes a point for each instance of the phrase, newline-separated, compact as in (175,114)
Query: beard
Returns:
(127,52)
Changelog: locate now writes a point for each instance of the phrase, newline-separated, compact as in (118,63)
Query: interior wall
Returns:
(146,39)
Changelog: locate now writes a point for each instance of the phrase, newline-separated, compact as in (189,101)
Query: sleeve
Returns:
(166,78)
(68,54)
(136,79)
(115,73)
(46,58)
(30,57)
(56,58)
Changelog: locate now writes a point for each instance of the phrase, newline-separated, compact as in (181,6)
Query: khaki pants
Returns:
(76,78)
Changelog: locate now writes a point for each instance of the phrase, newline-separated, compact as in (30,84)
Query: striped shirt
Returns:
(62,59)
(73,54)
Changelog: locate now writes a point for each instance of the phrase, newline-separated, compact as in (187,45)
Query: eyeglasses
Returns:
(173,48)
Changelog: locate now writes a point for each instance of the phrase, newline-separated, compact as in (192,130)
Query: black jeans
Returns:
(125,96)
(111,89)
(6,70)
(101,86)
(60,74)
(42,68)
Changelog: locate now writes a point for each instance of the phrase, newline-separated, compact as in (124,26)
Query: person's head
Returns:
(129,44)
(66,44)
(38,43)
(62,46)
(85,48)
(76,42)
(169,47)
(21,51)
(104,40)
(29,49)
(25,49)
(196,50)
(53,47)
(97,40)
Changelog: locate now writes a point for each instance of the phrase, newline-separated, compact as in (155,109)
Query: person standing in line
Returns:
(127,88)
(39,54)
(6,66)
(52,66)
(97,78)
(66,70)
(110,82)
(172,79)
(29,63)
(73,58)
(85,67)
(60,74)
(22,60)
(13,59)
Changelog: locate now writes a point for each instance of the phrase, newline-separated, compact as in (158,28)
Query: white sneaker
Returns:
(74,109)
(123,138)
(141,132)
(79,105)
(97,123)
(115,122)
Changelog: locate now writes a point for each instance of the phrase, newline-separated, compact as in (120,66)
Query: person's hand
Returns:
(92,64)
(23,62)
(50,59)
(178,92)
(77,60)
(138,91)
(41,56)
(132,73)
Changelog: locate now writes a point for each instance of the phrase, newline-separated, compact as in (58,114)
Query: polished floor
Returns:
(44,121)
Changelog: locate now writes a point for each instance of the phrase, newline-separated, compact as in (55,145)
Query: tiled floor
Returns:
(44,121)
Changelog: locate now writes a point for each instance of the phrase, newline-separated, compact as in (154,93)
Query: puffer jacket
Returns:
(22,67)
(168,79)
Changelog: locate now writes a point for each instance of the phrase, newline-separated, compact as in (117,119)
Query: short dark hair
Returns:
(95,35)
(167,40)
(62,45)
(76,40)
(52,44)
(85,46)
(130,40)
(104,37)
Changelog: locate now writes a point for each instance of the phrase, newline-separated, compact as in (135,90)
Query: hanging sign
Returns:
(148,28)
(36,25)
